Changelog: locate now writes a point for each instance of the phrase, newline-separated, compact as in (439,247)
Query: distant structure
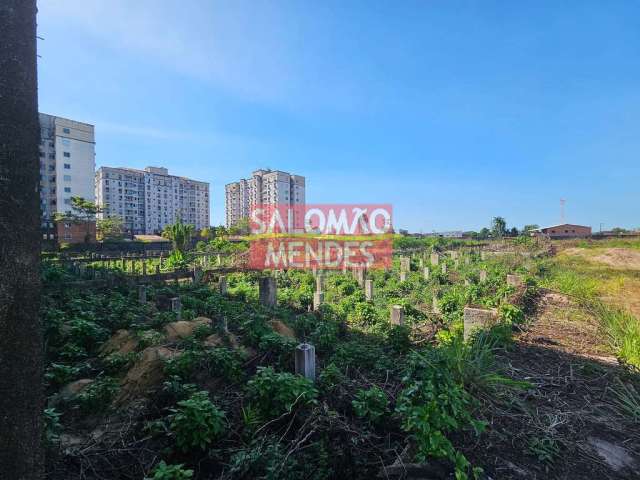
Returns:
(67,166)
(148,200)
(564,230)
(265,187)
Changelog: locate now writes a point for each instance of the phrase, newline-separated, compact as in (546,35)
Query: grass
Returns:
(590,285)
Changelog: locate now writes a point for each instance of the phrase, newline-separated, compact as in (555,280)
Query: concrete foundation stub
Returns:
(444,268)
(403,276)
(306,361)
(514,280)
(359,272)
(222,285)
(483,276)
(478,318)
(397,315)
(320,283)
(268,291)
(426,273)
(368,290)
(176,307)
(435,259)
(318,299)
(142,294)
(436,307)
(405,264)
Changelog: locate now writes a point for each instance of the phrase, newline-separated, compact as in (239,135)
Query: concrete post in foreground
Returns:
(142,294)
(306,361)
(320,283)
(454,255)
(219,259)
(403,276)
(467,260)
(426,273)
(222,285)
(397,315)
(268,291)
(176,307)
(368,290)
(483,276)
(435,258)
(444,268)
(478,318)
(318,299)
(360,276)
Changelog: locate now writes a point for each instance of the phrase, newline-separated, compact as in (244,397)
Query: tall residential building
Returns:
(265,187)
(148,200)
(67,166)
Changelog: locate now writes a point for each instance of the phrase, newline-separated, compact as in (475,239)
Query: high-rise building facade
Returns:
(148,200)
(67,166)
(265,187)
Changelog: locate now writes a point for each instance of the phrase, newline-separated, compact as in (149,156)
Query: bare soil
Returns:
(564,356)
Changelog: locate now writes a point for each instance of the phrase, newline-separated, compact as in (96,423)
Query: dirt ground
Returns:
(567,426)
(621,258)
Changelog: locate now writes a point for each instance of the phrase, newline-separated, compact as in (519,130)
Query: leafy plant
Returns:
(96,396)
(170,472)
(52,425)
(371,404)
(275,393)
(197,422)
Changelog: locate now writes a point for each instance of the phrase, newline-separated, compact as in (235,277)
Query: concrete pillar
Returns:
(467,260)
(514,280)
(435,258)
(483,276)
(176,307)
(368,290)
(454,254)
(318,299)
(403,276)
(314,270)
(436,307)
(426,273)
(219,259)
(405,264)
(456,263)
(467,282)
(483,256)
(397,315)
(197,274)
(320,283)
(444,268)
(144,268)
(222,285)
(478,318)
(306,361)
(142,294)
(268,291)
(360,276)
(420,262)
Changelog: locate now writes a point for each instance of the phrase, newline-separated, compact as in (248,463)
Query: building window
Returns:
(67,201)
(67,189)
(67,154)
(66,130)
(67,178)
(67,166)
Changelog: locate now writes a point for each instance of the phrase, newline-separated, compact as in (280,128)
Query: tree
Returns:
(21,351)
(527,229)
(513,232)
(110,228)
(180,235)
(207,233)
(498,227)
(83,212)
(240,228)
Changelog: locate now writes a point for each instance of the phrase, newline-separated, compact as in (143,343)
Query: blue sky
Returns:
(452,111)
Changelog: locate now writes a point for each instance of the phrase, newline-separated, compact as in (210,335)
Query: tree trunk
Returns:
(21,351)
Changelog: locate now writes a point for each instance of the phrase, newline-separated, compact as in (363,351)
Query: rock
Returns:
(183,329)
(617,457)
(213,341)
(71,390)
(145,375)
(282,329)
(123,341)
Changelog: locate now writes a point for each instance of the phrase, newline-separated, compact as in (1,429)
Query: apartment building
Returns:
(67,168)
(265,187)
(148,200)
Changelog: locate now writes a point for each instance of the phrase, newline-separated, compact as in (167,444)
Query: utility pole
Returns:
(21,345)
(562,203)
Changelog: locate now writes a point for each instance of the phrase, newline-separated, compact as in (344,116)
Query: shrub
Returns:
(170,472)
(275,393)
(59,374)
(52,426)
(96,396)
(197,422)
(511,314)
(371,404)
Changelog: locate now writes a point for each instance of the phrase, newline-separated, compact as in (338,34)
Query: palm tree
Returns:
(180,234)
